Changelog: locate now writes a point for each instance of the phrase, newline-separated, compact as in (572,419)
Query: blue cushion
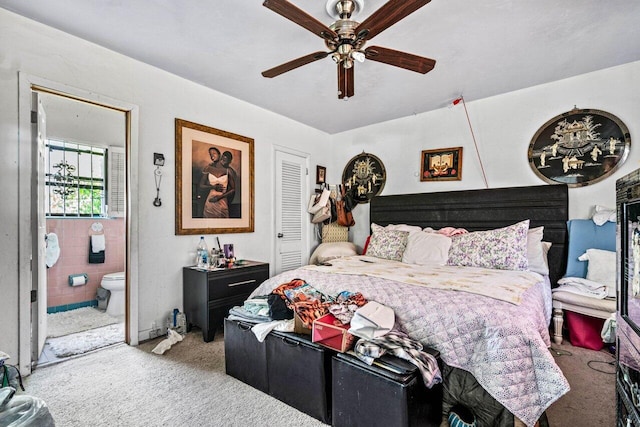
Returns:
(585,234)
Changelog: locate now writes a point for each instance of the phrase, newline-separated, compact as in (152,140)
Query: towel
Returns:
(52,253)
(602,215)
(97,243)
(580,286)
(95,258)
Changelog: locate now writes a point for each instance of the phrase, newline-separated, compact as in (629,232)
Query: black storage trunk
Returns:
(299,373)
(366,396)
(245,357)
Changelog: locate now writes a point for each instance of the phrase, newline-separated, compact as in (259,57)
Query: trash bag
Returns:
(23,410)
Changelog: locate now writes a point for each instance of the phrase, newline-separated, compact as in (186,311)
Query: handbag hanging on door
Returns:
(345,217)
(322,215)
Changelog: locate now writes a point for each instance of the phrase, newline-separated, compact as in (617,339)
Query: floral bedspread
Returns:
(505,285)
(504,345)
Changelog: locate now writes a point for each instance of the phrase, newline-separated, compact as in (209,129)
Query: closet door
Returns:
(292,247)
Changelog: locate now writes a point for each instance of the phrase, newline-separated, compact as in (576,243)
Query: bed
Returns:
(502,345)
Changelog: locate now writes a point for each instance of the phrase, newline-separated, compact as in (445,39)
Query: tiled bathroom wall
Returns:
(73,238)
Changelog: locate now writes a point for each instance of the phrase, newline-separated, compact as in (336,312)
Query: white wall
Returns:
(503,127)
(41,51)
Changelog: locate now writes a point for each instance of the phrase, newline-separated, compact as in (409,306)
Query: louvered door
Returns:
(291,217)
(116,191)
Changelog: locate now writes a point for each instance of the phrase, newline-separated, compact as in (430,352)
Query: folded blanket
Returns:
(580,286)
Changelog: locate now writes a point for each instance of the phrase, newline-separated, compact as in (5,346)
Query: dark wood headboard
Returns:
(546,205)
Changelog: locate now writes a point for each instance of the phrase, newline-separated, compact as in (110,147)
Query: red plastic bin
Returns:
(584,331)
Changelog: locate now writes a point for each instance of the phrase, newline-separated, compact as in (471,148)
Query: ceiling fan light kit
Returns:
(345,38)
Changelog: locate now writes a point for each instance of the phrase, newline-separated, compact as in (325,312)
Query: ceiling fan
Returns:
(345,38)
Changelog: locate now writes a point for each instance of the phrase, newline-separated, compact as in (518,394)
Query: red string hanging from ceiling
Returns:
(456,102)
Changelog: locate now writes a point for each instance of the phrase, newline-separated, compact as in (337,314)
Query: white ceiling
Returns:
(482,48)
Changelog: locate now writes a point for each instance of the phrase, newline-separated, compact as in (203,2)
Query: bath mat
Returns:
(78,320)
(83,342)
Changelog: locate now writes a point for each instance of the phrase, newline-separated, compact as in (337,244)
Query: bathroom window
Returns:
(74,179)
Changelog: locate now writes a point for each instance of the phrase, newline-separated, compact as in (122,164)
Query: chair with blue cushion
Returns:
(583,234)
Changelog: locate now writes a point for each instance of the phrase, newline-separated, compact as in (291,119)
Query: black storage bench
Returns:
(366,395)
(299,373)
(287,366)
(245,357)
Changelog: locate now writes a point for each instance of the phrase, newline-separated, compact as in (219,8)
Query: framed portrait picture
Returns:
(444,164)
(321,174)
(214,180)
(579,147)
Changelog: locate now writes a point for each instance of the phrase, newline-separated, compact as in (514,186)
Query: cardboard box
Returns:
(330,332)
(299,327)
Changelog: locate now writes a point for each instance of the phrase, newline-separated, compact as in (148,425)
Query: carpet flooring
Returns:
(131,386)
(591,400)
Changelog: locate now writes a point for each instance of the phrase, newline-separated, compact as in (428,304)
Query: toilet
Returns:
(114,282)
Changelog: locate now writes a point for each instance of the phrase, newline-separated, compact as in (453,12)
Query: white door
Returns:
(291,216)
(38,267)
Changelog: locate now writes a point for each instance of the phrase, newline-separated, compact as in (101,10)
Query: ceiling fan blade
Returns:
(408,61)
(345,82)
(300,17)
(390,13)
(291,65)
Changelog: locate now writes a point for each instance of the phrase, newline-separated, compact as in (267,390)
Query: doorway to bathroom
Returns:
(83,180)
(32,246)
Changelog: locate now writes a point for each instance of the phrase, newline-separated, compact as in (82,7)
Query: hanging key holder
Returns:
(158,177)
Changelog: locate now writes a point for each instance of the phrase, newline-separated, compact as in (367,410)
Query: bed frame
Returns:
(475,210)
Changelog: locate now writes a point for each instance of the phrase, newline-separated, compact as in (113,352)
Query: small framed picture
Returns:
(444,164)
(321,174)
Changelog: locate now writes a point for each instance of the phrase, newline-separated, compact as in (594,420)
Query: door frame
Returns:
(26,179)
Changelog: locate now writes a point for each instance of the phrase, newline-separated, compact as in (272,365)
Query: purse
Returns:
(317,202)
(345,217)
(322,215)
(334,232)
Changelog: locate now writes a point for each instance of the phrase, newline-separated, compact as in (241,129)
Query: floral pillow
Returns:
(387,244)
(501,249)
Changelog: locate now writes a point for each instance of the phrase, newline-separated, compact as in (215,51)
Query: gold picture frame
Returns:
(214,180)
(443,164)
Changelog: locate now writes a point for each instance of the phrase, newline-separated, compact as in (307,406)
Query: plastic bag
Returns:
(23,410)
(608,333)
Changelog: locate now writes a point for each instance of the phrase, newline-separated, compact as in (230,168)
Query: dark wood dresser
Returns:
(209,294)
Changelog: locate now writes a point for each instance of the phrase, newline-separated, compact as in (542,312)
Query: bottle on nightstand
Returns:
(202,254)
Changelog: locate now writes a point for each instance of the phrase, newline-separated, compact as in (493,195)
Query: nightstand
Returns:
(208,294)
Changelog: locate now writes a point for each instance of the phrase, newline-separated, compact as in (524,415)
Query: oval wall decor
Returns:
(364,176)
(579,147)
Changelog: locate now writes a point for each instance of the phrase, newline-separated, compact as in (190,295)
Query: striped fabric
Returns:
(399,344)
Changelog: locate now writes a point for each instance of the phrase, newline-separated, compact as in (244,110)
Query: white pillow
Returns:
(404,227)
(601,268)
(328,251)
(425,248)
(535,253)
